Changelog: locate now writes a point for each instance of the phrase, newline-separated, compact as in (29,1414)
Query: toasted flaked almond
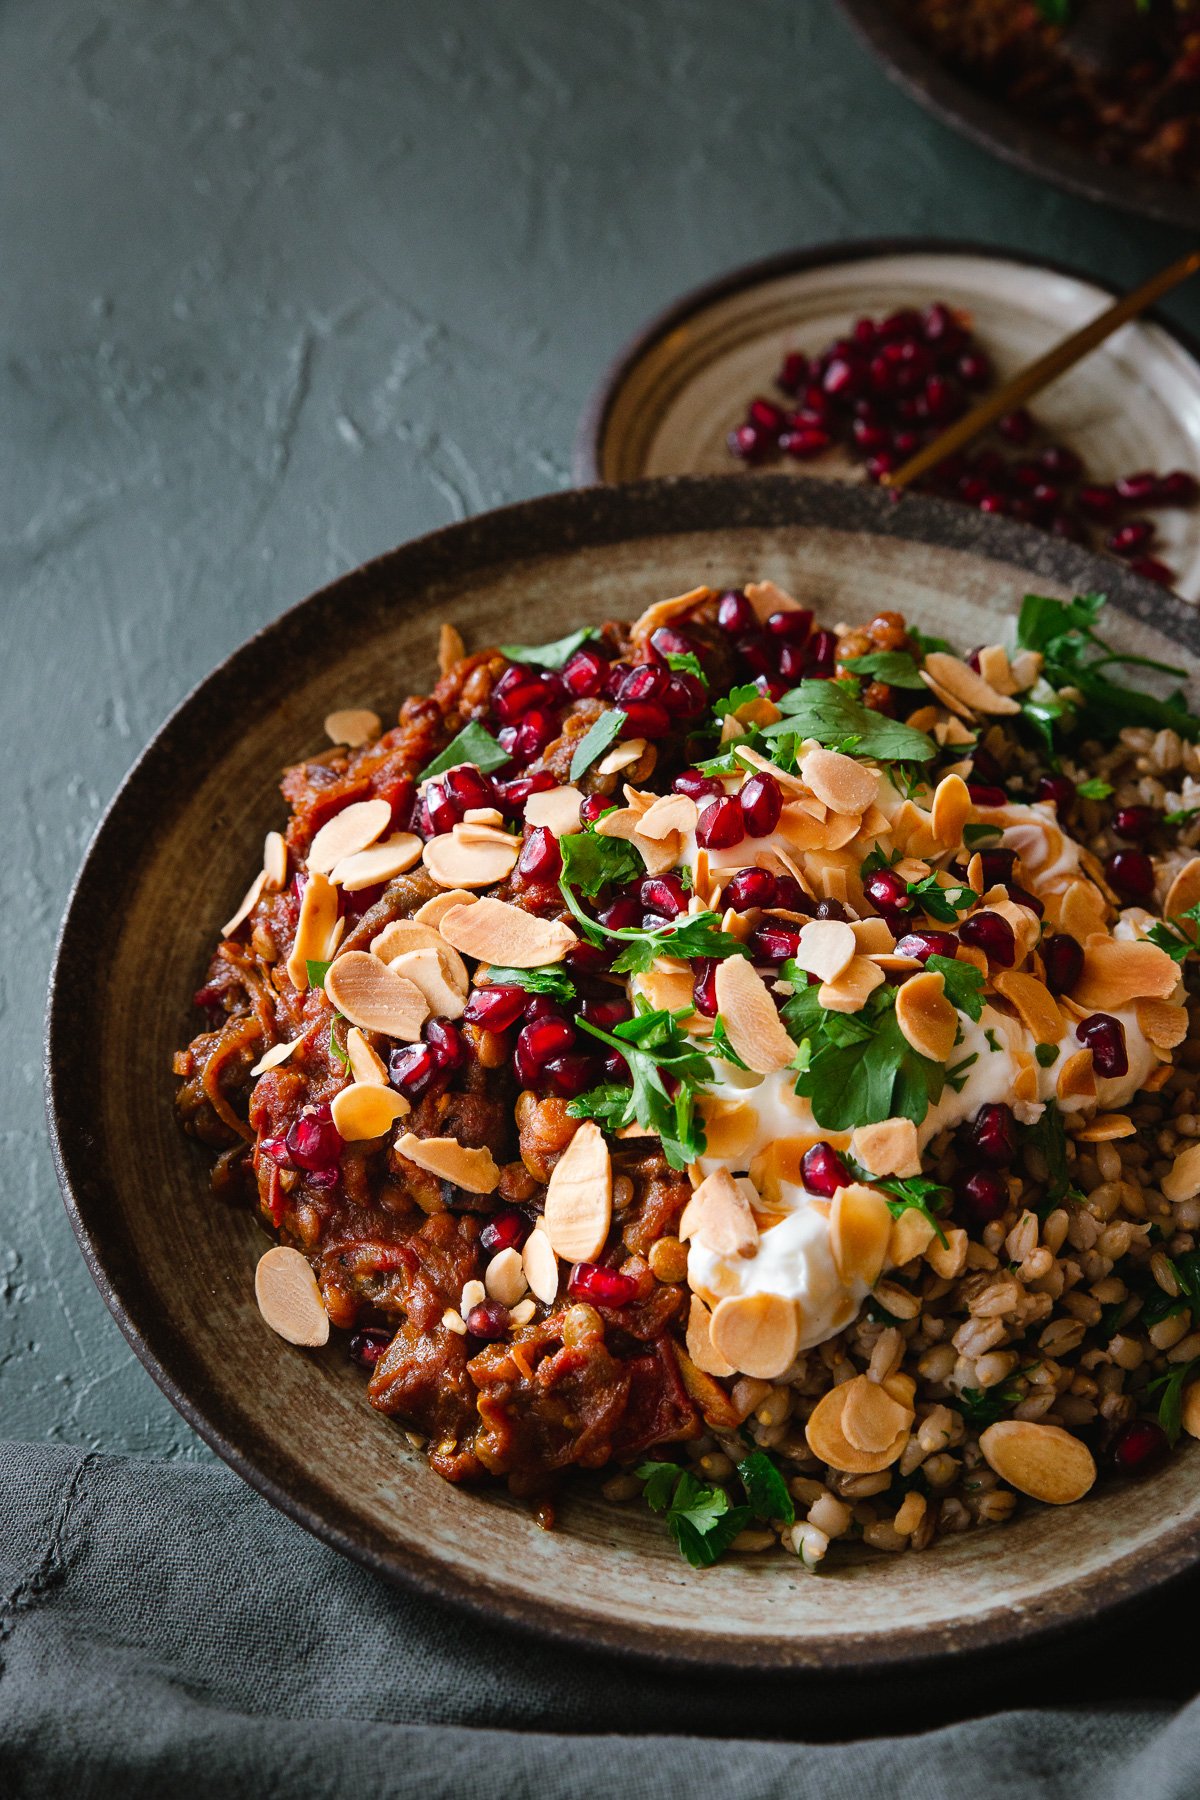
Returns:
(853,987)
(1025,924)
(353,725)
(374,997)
(1182,1180)
(971,953)
(1159,1077)
(365,1066)
(1025,1086)
(1105,1127)
(755,1029)
(474,1170)
(948,1259)
(367,1110)
(844,785)
(719,1214)
(1042,1461)
(426,970)
(1189,1412)
(1034,1004)
(1184,890)
(872,936)
(766,597)
(996,669)
(757,1334)
(1162,1024)
(924,719)
(541,1266)
(474,1294)
(663,611)
(756,760)
(278,1053)
(275,862)
(1116,972)
(1026,667)
(557,809)
(826,948)
(348,832)
(969,689)
(1077,1077)
(495,931)
(835,884)
(801,829)
(1081,910)
(457,862)
(730,1126)
(668,990)
(946,698)
(434,911)
(925,1016)
(660,855)
(887,1148)
(700,1346)
(912,831)
(250,900)
(451,648)
(504,1278)
(578,1209)
(910,1236)
(469,832)
(314,929)
(892,963)
(484,815)
(671,812)
(859,1228)
(402,936)
(828,1441)
(953,732)
(381,862)
(622,756)
(289,1298)
(951,810)
(871,1417)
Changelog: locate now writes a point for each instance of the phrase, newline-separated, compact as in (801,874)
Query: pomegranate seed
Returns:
(589,959)
(616,674)
(686,695)
(571,1075)
(924,944)
(537,1044)
(1097,502)
(540,858)
(697,786)
(793,662)
(887,891)
(1016,427)
(625,913)
(445,1043)
(704,993)
(805,443)
(938,322)
(1023,897)
(512,700)
(997,865)
(469,787)
(765,415)
(606,1012)
(615,1067)
(984,794)
(512,795)
(843,378)
(536,731)
(721,824)
(992,1134)
(974,369)
(748,443)
(1150,568)
(822,1171)
(585,673)
(504,1231)
(593,806)
(412,1069)
(749,888)
(603,1287)
(495,1008)
(1138,489)
(994,503)
(1059,790)
(982,1197)
(1138,1445)
(822,653)
(664,894)
(870,438)
(1063,958)
(752,648)
(795,626)
(1179,488)
(774,940)
(666,641)
(1061,463)
(882,464)
(793,372)
(276,1148)
(645,719)
(761,803)
(440,810)
(735,613)
(368,1345)
(648,681)
(1132,874)
(831,909)
(314,1141)
(1135,821)
(1131,537)
(1105,1038)
(489,1321)
(789,894)
(992,934)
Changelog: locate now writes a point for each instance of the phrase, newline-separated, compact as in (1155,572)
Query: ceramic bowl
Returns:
(171,858)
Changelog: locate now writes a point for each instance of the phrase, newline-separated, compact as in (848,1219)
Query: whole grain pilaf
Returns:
(755,1059)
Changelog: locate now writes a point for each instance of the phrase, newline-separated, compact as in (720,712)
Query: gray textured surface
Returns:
(281,285)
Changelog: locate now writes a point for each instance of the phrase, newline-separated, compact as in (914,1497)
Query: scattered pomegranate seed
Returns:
(602,1287)
(982,1197)
(648,681)
(645,719)
(992,934)
(1104,1036)
(504,1231)
(924,944)
(585,673)
(412,1069)
(721,824)
(664,894)
(822,1171)
(540,858)
(573,1074)
(368,1344)
(1132,874)
(1179,488)
(749,888)
(1150,568)
(592,807)
(984,794)
(704,993)
(537,1044)
(1016,427)
(997,865)
(887,891)
(1059,790)
(1138,1445)
(1137,489)
(1131,537)
(489,1321)
(735,613)
(1063,959)
(774,940)
(313,1141)
(440,810)
(992,1134)
(1023,897)
(446,1044)
(1135,821)
(495,1008)
(606,1012)
(762,803)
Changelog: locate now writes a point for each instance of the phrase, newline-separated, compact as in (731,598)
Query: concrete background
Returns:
(282,284)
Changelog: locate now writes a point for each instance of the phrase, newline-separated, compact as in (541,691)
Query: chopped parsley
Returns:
(474,744)
(720,1045)
(317,972)
(334,1046)
(1168,937)
(1048,1136)
(860,1066)
(692,935)
(553,981)
(983,1406)
(963,986)
(993,1041)
(1169,1388)
(603,731)
(1047,1055)
(895,667)
(942,903)
(736,698)
(832,713)
(1094,789)
(913,1193)
(1183,815)
(956,1076)
(550,656)
(976,835)
(685,663)
(701,1517)
(656,1052)
(591,862)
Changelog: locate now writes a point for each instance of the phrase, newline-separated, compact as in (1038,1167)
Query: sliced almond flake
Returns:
(365,1065)
(1042,1461)
(453,863)
(755,1029)
(504,1277)
(557,810)
(871,1418)
(730,1126)
(659,855)
(840,829)
(759,712)
(474,1294)
(541,1267)
(1026,667)
(318,917)
(663,611)
(382,862)
(1182,1180)
(996,669)
(778,1164)
(925,1017)
(700,1346)
(975,880)
(469,832)
(667,990)
(779,861)
(483,815)
(374,997)
(1025,1088)
(969,689)
(767,598)
(719,1216)
(1077,1077)
(887,1148)
(828,1441)
(872,936)
(945,697)
(951,810)
(426,970)
(405,935)
(1105,1127)
(1034,1003)
(912,831)
(1158,1078)
(1094,868)
(1162,1024)
(826,948)
(835,884)
(353,726)
(451,648)
(671,813)
(621,756)
(910,1237)
(1116,973)
(278,1053)
(348,832)
(860,1227)
(949,1259)
(495,931)
(738,925)
(853,987)
(844,785)
(335,937)
(434,911)
(802,831)
(249,901)
(875,823)
(289,1299)
(953,733)
(1082,910)
(757,760)
(1026,926)
(1184,892)
(578,1210)
(971,953)
(924,719)
(275,862)
(366,1110)
(892,963)
(471,1169)
(758,1334)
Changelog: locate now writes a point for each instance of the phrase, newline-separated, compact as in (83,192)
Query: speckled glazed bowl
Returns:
(176,1267)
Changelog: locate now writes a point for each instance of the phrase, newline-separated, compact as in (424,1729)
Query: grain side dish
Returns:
(754,1059)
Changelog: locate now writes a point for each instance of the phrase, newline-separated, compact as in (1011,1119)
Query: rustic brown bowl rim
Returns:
(552,523)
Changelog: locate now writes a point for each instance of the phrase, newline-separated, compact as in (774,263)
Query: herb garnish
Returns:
(895,667)
(832,713)
(942,903)
(975,835)
(473,744)
(913,1193)
(701,1518)
(983,1406)
(1047,1055)
(1182,816)
(334,1046)
(1048,1136)
(692,935)
(720,1045)
(861,1068)
(591,862)
(1168,937)
(1170,1389)
(595,740)
(535,981)
(550,656)
(653,1046)
(685,663)
(1094,789)
(317,972)
(963,986)
(737,697)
